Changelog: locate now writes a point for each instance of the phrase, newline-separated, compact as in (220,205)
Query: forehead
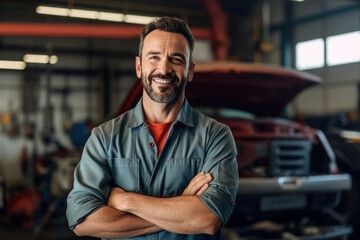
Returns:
(161,41)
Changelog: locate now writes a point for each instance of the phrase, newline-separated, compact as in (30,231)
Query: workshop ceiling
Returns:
(192,10)
(22,30)
(19,22)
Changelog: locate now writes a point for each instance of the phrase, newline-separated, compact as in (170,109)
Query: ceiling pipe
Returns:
(82,30)
(219,27)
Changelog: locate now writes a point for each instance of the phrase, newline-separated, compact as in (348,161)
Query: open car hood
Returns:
(263,90)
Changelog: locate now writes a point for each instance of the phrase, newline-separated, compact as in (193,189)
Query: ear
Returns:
(138,66)
(191,71)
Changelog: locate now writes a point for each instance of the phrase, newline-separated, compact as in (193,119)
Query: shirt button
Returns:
(151,144)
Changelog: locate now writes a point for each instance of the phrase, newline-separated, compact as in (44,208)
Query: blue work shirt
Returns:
(123,153)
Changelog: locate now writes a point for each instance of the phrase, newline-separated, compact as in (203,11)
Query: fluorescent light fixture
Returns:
(343,48)
(57,11)
(137,19)
(12,65)
(96,15)
(53,59)
(78,13)
(310,54)
(108,16)
(38,58)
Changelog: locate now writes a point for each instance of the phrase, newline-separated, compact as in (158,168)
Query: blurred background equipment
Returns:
(67,65)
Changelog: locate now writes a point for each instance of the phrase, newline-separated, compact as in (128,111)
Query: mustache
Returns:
(169,76)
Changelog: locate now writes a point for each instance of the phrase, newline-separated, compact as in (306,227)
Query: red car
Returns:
(289,180)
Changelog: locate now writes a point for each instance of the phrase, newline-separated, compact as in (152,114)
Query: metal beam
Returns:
(219,26)
(286,36)
(82,30)
(318,16)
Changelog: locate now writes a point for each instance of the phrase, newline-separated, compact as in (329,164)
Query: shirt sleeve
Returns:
(91,180)
(222,164)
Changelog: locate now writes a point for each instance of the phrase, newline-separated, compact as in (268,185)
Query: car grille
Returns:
(289,157)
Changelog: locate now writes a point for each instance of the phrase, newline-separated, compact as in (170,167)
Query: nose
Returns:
(164,66)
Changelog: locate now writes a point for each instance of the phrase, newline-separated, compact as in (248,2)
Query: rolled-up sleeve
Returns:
(91,180)
(221,163)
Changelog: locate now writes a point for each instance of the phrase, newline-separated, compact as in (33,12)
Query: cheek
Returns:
(148,69)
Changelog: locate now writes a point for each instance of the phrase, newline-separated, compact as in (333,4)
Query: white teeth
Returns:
(162,81)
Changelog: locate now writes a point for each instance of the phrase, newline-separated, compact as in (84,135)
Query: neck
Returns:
(161,112)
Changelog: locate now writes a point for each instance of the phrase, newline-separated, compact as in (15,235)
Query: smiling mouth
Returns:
(164,81)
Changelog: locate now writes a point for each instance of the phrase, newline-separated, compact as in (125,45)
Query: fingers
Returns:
(200,180)
(198,184)
(203,189)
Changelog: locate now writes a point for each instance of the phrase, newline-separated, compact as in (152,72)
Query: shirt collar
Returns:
(138,117)
(185,115)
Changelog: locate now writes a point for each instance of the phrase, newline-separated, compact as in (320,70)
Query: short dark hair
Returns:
(168,24)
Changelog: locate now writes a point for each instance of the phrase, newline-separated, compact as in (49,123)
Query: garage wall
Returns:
(320,19)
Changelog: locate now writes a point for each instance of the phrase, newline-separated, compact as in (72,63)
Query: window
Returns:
(310,54)
(343,48)
(340,49)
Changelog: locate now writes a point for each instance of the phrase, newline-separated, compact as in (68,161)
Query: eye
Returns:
(154,57)
(177,60)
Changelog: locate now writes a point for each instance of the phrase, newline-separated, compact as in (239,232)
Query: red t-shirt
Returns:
(159,132)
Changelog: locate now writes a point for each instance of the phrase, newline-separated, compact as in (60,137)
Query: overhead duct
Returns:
(219,27)
(81,30)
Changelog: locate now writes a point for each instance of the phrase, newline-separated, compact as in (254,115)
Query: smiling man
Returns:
(162,170)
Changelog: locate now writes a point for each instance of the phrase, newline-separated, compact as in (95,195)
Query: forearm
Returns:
(183,214)
(108,222)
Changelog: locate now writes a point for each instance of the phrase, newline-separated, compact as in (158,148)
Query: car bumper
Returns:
(294,184)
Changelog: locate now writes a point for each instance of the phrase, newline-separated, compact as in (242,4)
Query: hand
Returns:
(114,194)
(198,185)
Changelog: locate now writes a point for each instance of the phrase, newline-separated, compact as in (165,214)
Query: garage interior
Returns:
(47,106)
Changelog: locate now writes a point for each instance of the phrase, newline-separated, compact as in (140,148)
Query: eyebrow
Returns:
(152,53)
(182,56)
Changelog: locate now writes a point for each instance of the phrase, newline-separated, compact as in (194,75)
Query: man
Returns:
(162,170)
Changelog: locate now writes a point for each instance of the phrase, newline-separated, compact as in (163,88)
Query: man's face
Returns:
(164,66)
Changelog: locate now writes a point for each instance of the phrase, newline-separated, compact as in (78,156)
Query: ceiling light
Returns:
(13,65)
(57,11)
(137,19)
(38,58)
(108,16)
(53,59)
(98,15)
(78,13)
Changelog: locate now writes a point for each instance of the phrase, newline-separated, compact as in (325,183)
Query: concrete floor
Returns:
(55,229)
(50,233)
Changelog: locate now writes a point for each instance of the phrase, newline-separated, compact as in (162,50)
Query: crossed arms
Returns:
(130,214)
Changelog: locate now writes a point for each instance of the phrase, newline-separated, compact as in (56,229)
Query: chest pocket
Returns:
(179,172)
(125,173)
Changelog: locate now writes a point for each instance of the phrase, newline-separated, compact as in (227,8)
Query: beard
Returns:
(168,94)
